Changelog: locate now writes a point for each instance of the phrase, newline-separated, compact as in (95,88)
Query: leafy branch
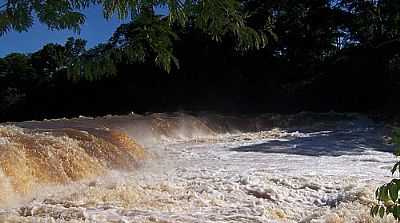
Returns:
(387,195)
(151,37)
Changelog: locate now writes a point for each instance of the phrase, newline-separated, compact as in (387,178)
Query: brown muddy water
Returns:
(179,167)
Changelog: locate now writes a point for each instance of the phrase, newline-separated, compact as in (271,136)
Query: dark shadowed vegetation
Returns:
(230,56)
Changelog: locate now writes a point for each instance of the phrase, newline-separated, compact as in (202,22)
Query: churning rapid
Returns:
(193,168)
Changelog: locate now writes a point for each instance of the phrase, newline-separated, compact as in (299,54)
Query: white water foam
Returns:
(293,175)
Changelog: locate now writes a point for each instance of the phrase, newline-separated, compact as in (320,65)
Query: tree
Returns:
(16,78)
(55,59)
(216,18)
(19,14)
(373,22)
(148,37)
(18,70)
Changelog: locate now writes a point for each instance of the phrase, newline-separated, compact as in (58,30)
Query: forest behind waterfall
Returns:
(314,55)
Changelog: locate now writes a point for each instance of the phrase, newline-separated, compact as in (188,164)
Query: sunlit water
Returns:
(317,170)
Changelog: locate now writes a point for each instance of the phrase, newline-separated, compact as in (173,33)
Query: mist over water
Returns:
(178,167)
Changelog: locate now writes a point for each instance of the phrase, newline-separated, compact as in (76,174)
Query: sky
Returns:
(95,30)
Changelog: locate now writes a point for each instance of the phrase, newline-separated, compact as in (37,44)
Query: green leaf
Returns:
(395,167)
(374,210)
(381,212)
(377,192)
(393,191)
(396,212)
(383,193)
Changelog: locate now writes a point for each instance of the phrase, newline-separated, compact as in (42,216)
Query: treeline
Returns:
(317,55)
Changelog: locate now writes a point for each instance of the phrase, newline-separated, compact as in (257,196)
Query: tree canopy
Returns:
(216,18)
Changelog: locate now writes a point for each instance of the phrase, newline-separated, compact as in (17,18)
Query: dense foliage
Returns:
(231,55)
(216,18)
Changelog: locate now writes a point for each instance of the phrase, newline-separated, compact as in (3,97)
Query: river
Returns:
(271,168)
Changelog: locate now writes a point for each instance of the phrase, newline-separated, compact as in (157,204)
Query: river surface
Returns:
(320,170)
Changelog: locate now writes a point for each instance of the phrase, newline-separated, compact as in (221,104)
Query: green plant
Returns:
(147,38)
(387,195)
